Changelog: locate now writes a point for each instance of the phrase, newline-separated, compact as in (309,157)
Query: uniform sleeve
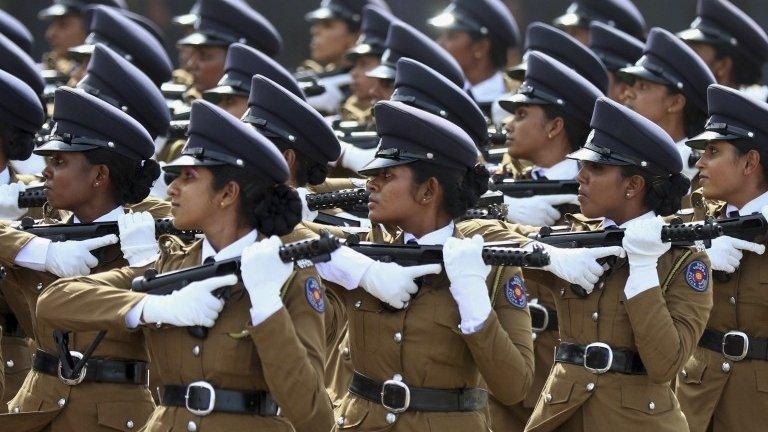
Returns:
(12,241)
(91,303)
(667,325)
(291,346)
(503,348)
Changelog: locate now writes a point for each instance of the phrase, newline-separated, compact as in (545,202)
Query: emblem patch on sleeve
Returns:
(697,276)
(314,293)
(515,292)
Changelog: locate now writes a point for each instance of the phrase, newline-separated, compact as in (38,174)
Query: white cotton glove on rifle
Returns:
(73,257)
(9,201)
(306,213)
(264,274)
(726,252)
(193,305)
(467,272)
(537,210)
(393,283)
(577,266)
(354,158)
(137,238)
(642,242)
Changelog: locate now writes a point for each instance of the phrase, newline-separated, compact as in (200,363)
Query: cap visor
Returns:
(585,154)
(319,14)
(379,163)
(216,94)
(185,20)
(518,72)
(198,38)
(382,71)
(629,74)
(510,103)
(52,11)
(185,161)
(363,50)
(696,35)
(700,141)
(60,146)
(570,20)
(80,51)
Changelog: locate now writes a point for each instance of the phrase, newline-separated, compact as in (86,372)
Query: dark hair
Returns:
(307,171)
(273,209)
(575,131)
(498,50)
(694,118)
(744,71)
(462,190)
(743,150)
(663,195)
(131,179)
(17,143)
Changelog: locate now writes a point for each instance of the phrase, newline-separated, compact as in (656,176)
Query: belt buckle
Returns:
(596,355)
(211,400)
(539,308)
(406,399)
(725,345)
(80,377)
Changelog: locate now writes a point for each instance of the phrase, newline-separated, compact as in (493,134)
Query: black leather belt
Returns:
(735,345)
(98,370)
(397,397)
(201,398)
(600,358)
(542,317)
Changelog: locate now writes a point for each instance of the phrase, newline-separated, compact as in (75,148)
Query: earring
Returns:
(96,184)
(627,195)
(221,204)
(549,135)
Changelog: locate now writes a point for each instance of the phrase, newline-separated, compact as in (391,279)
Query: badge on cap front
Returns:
(515,292)
(697,276)
(314,293)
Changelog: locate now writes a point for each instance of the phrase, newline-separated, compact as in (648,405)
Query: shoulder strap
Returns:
(495,286)
(675,269)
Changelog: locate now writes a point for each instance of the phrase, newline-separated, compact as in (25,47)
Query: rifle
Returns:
(339,199)
(742,227)
(64,232)
(677,234)
(32,197)
(529,188)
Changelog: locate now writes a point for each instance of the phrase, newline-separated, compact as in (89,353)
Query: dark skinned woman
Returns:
(98,164)
(624,342)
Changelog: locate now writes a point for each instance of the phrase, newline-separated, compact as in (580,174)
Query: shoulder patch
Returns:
(515,292)
(697,276)
(314,294)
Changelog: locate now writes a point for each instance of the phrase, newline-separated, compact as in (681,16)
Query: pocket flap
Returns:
(693,372)
(18,352)
(649,399)
(124,416)
(353,419)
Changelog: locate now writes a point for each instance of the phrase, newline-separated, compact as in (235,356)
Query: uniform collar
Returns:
(233,250)
(566,169)
(438,237)
(490,89)
(607,223)
(5,176)
(109,217)
(753,206)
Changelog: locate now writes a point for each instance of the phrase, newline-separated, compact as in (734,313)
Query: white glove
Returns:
(578,266)
(160,187)
(726,252)
(73,257)
(137,238)
(193,305)
(9,201)
(467,272)
(306,213)
(642,242)
(354,158)
(263,274)
(537,210)
(393,283)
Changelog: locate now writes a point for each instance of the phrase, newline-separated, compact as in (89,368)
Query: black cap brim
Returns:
(201,39)
(216,94)
(60,146)
(510,103)
(320,14)
(81,51)
(363,50)
(380,163)
(453,23)
(518,72)
(585,154)
(696,35)
(186,20)
(570,20)
(54,11)
(182,161)
(383,72)
(629,74)
(700,141)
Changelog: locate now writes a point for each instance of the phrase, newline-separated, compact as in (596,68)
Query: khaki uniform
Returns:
(171,150)
(716,393)
(662,324)
(356,110)
(282,355)
(43,400)
(424,345)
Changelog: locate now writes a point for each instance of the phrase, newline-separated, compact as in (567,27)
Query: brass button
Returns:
(547,398)
(391,417)
(9,363)
(398,337)
(39,286)
(651,406)
(196,350)
(191,426)
(590,387)
(358,304)
(595,316)
(726,367)
(684,373)
(340,421)
(62,402)
(345,353)
(732,300)
(129,424)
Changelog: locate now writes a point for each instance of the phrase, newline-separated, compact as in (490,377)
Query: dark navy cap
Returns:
(19,105)
(405,41)
(373,34)
(19,64)
(281,116)
(550,82)
(734,117)
(719,22)
(409,134)
(217,138)
(188,19)
(14,30)
(614,47)
(69,7)
(667,60)
(224,22)
(350,11)
(623,137)
(489,18)
(622,14)
(243,62)
(84,122)
(420,86)
(129,39)
(139,19)
(566,49)
(116,81)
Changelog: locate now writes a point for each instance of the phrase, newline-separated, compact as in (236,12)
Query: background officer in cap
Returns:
(622,14)
(668,86)
(623,342)
(264,347)
(479,34)
(16,31)
(99,168)
(617,50)
(720,387)
(731,43)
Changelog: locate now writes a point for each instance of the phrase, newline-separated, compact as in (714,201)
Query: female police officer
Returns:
(264,348)
(623,343)
(98,164)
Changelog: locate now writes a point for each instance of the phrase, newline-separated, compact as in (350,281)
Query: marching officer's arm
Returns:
(12,241)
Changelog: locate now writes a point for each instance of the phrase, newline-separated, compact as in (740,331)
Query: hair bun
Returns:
(20,145)
(278,212)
